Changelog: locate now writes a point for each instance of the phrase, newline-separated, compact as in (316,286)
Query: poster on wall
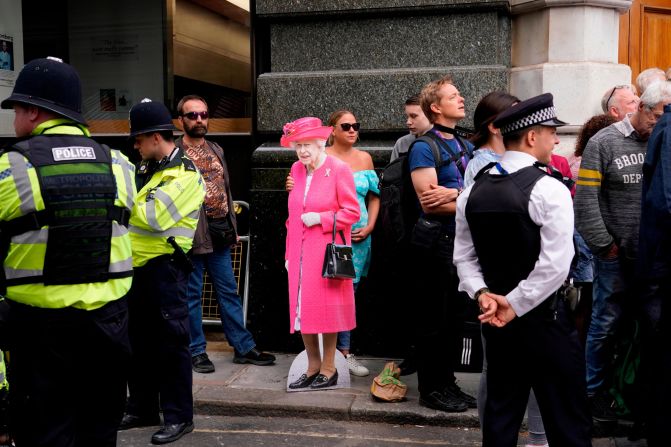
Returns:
(115,100)
(11,56)
(6,52)
(11,44)
(119,56)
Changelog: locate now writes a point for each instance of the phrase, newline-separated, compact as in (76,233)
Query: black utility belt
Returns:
(567,295)
(177,258)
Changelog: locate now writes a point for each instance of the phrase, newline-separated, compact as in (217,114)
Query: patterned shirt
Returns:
(207,162)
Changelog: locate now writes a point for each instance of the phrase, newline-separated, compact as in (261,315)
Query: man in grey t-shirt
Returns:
(418,124)
(607,213)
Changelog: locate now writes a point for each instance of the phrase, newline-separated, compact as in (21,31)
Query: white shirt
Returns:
(551,209)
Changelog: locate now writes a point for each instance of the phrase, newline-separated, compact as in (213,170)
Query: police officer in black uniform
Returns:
(513,251)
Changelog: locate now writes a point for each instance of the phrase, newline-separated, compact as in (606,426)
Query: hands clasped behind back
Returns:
(496,309)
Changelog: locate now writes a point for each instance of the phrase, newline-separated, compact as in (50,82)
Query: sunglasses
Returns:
(193,116)
(347,126)
(616,88)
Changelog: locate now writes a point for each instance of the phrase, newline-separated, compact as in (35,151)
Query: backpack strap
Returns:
(438,158)
(454,157)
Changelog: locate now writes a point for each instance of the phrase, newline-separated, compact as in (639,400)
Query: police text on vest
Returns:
(73,153)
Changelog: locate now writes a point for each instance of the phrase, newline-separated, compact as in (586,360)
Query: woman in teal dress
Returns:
(366,183)
(341,145)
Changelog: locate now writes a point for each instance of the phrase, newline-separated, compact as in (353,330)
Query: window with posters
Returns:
(127,50)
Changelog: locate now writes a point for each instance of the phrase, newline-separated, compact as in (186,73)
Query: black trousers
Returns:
(437,310)
(67,372)
(655,366)
(540,352)
(159,334)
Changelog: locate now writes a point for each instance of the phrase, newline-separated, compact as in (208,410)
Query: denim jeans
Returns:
(583,270)
(610,286)
(345,337)
(220,269)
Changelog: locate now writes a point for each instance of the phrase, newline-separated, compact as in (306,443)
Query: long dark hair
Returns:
(590,128)
(486,112)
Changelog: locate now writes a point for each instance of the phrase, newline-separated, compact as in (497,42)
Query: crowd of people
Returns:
(564,262)
(495,222)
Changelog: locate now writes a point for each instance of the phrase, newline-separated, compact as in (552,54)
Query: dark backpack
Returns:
(399,210)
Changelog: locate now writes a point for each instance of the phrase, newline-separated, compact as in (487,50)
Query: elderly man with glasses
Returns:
(607,214)
(620,100)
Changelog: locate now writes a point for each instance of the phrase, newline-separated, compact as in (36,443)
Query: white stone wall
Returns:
(570,49)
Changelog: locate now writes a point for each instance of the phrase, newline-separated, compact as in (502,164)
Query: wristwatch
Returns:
(480,292)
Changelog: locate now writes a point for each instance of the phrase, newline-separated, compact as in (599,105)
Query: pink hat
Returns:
(302,129)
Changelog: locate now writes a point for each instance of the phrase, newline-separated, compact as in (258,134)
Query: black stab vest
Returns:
(506,240)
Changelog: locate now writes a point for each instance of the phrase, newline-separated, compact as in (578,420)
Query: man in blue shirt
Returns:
(439,306)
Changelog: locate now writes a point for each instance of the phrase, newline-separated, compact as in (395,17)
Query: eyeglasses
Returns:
(616,88)
(193,116)
(347,126)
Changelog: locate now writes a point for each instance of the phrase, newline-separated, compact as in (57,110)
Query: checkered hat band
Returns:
(537,117)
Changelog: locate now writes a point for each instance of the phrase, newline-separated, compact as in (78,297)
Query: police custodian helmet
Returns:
(149,116)
(50,84)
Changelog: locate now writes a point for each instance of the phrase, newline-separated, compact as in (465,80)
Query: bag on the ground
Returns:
(387,386)
(338,259)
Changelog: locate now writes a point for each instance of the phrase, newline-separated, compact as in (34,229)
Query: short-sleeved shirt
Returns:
(421,156)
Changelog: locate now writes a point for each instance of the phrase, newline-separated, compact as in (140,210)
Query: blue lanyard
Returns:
(501,170)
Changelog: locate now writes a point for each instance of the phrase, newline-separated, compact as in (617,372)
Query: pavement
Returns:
(260,391)
(255,431)
(236,390)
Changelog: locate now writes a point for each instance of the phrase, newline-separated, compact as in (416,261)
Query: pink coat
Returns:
(327,305)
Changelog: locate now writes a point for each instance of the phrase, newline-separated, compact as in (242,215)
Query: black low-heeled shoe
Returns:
(321,381)
(303,381)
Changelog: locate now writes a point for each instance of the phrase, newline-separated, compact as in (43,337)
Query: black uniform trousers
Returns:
(437,310)
(67,374)
(541,352)
(655,366)
(159,335)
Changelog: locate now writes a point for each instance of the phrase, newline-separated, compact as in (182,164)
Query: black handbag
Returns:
(222,232)
(338,262)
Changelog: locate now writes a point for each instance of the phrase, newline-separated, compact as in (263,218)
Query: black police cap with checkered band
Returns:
(536,111)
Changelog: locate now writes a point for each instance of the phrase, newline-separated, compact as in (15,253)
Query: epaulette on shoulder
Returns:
(188,164)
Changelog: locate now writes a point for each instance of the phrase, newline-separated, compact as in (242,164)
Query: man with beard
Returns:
(215,235)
